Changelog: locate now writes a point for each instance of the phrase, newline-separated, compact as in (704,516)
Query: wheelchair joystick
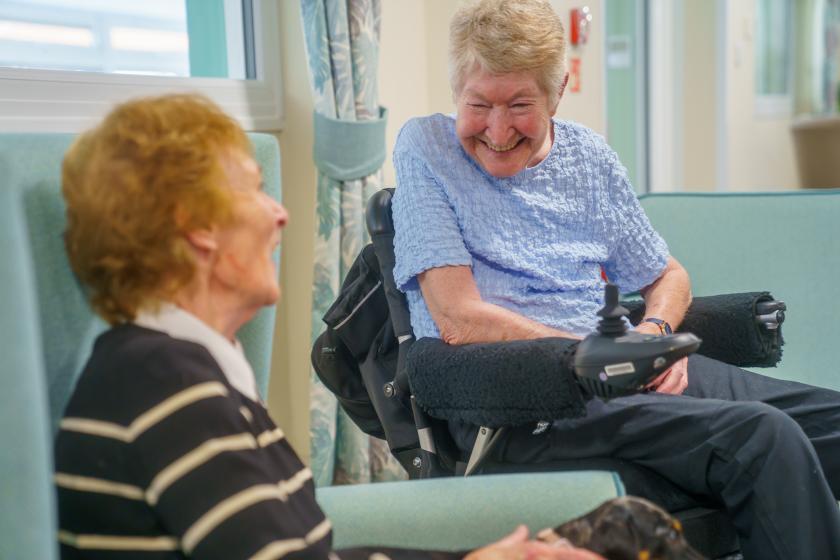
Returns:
(615,362)
(612,314)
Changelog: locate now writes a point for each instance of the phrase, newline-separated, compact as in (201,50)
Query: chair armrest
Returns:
(460,513)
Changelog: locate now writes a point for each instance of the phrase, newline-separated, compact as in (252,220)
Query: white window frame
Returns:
(62,101)
(773,106)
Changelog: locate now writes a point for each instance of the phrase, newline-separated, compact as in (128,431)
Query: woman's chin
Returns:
(501,164)
(501,169)
(265,296)
(272,296)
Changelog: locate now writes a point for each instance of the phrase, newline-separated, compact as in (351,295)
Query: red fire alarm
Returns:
(581,18)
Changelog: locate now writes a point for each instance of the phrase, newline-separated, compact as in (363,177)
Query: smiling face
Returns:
(504,121)
(243,263)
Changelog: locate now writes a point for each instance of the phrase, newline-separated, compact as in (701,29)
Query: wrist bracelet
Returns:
(664,327)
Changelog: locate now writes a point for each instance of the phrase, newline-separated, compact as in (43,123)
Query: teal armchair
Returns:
(787,243)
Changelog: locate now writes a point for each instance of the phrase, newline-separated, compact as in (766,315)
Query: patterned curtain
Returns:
(342,44)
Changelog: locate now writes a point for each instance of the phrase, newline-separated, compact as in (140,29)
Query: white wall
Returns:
(720,142)
(759,150)
(413,78)
(698,103)
(587,107)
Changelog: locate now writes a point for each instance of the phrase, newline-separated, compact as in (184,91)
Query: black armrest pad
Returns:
(726,324)
(496,384)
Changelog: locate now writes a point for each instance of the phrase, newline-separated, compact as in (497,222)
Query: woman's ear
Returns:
(560,93)
(563,87)
(202,240)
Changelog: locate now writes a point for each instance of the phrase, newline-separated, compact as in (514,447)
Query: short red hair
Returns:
(133,186)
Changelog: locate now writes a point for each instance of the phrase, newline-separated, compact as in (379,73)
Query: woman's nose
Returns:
(499,126)
(281,215)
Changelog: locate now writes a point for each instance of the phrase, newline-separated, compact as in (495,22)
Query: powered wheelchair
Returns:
(395,388)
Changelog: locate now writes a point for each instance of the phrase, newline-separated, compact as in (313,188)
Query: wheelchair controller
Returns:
(616,361)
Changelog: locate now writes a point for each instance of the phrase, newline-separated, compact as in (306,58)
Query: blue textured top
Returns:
(536,241)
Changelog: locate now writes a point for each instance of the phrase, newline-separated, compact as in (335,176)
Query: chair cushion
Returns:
(459,513)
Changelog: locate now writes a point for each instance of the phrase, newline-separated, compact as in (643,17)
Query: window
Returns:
(773,56)
(64,63)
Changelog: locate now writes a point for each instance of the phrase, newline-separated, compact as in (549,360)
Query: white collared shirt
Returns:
(183,325)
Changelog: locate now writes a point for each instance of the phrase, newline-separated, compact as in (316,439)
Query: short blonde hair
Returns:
(502,36)
(134,185)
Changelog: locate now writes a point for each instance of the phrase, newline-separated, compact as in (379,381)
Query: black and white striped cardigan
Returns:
(159,457)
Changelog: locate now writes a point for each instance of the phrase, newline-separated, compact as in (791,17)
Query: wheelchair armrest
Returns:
(460,513)
(735,328)
(496,384)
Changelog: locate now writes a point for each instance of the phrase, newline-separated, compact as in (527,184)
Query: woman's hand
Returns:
(516,546)
(673,381)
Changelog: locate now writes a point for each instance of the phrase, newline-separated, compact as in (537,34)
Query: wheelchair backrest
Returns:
(360,357)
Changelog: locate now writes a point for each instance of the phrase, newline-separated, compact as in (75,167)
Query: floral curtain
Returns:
(342,44)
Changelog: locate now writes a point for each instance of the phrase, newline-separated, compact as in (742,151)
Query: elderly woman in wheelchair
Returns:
(507,220)
(165,449)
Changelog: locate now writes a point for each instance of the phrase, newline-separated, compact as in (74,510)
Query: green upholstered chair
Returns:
(48,330)
(26,496)
(787,243)
(459,513)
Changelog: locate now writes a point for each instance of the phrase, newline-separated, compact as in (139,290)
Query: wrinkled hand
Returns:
(672,381)
(516,546)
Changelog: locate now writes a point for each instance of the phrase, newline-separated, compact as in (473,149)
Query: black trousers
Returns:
(768,450)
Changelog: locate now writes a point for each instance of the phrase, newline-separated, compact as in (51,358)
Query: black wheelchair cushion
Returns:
(496,384)
(728,327)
